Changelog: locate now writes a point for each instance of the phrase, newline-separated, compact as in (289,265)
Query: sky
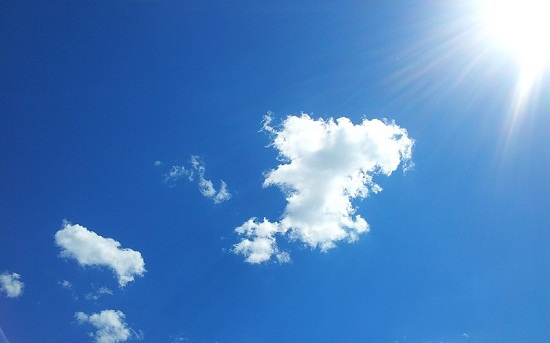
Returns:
(293,171)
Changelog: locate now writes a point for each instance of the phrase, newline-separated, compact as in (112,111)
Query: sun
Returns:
(523,28)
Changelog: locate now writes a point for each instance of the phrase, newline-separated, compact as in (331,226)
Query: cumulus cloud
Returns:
(110,326)
(206,187)
(10,284)
(325,164)
(90,249)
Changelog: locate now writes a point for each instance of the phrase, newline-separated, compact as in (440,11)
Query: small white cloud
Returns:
(206,187)
(263,244)
(157,163)
(465,335)
(325,164)
(178,339)
(223,194)
(176,173)
(90,249)
(110,325)
(10,284)
(65,284)
(99,293)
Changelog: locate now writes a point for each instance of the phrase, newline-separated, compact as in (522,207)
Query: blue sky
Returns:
(401,170)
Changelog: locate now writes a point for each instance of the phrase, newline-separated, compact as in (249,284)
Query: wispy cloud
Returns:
(3,337)
(65,284)
(98,294)
(90,249)
(176,173)
(10,284)
(178,339)
(325,164)
(206,187)
(110,325)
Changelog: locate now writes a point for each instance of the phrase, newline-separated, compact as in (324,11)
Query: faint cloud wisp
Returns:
(206,187)
(67,285)
(3,336)
(176,173)
(99,293)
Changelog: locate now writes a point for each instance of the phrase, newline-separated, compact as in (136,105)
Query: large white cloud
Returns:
(90,249)
(110,325)
(325,164)
(10,284)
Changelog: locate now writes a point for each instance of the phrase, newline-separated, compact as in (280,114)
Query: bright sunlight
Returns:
(523,28)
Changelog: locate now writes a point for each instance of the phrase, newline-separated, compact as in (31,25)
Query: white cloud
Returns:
(10,284)
(223,194)
(325,164)
(99,293)
(206,187)
(110,325)
(65,284)
(176,173)
(178,339)
(90,249)
(157,163)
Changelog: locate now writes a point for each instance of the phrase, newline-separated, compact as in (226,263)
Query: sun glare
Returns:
(523,28)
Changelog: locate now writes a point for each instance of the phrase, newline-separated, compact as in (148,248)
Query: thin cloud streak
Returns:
(3,336)
(197,170)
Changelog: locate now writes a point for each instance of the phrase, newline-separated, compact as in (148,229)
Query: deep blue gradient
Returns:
(92,93)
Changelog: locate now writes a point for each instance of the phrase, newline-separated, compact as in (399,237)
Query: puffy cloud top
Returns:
(10,284)
(110,325)
(325,164)
(89,249)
